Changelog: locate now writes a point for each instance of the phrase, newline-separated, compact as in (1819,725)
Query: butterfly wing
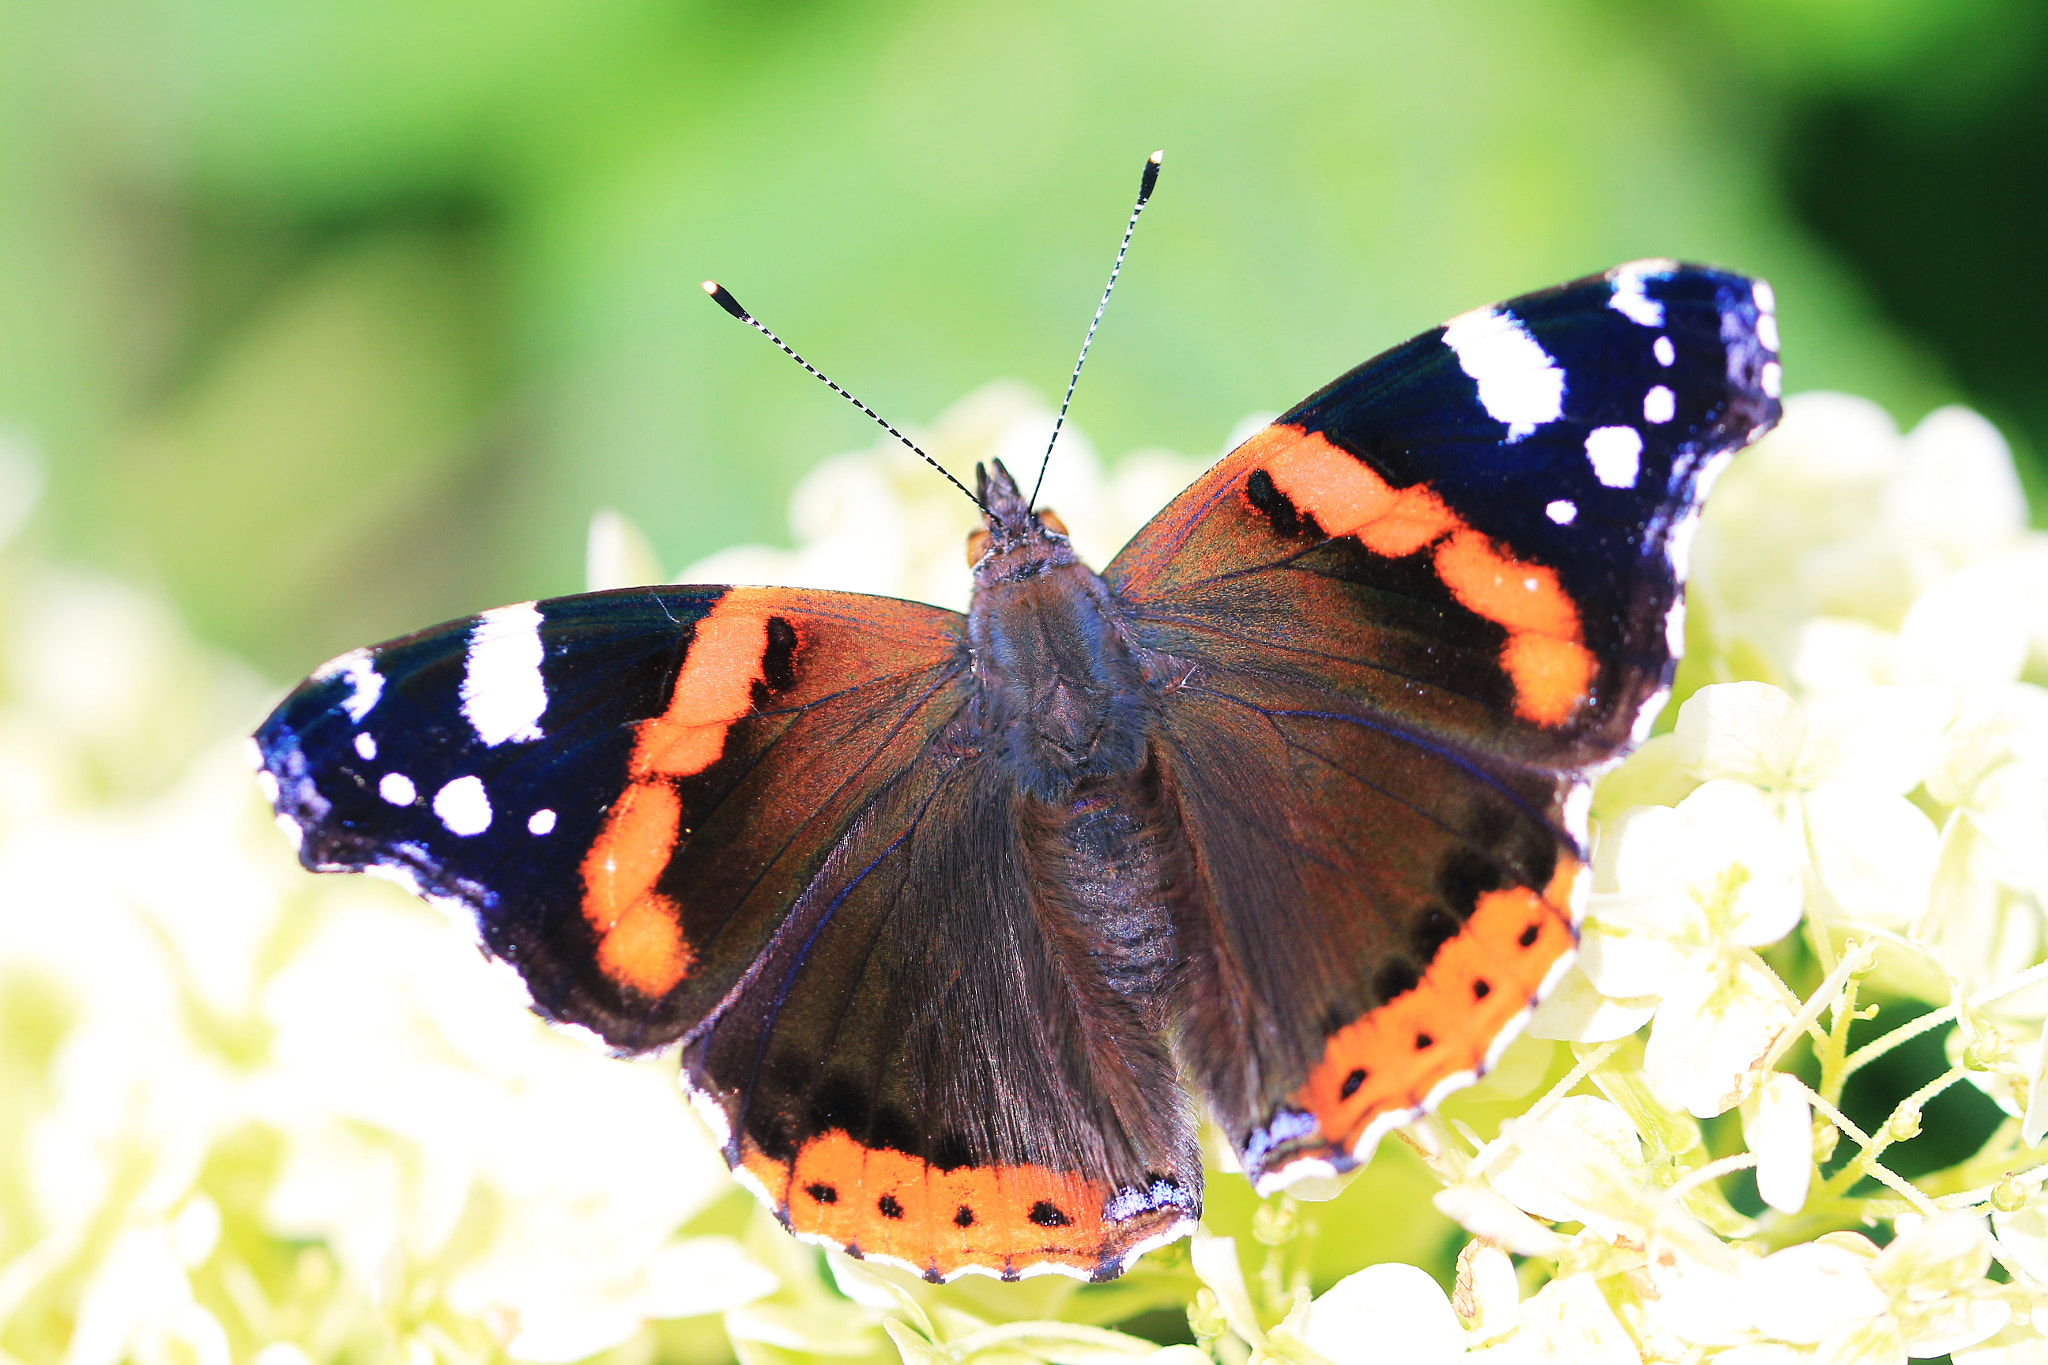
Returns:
(741,818)
(1419,609)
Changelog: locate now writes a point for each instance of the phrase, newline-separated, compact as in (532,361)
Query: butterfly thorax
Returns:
(1059,690)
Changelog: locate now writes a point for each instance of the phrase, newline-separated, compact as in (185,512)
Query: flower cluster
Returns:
(266,1116)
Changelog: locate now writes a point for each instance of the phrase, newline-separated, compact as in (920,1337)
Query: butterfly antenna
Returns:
(1144,193)
(721,296)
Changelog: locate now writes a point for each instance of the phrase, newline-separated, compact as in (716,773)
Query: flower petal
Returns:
(1710,1036)
(1487,1292)
(1940,1255)
(1777,1125)
(1880,738)
(1390,1311)
(1804,1292)
(1569,1320)
(1748,731)
(1576,1012)
(1873,852)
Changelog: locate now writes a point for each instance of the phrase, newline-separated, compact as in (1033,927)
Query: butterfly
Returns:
(956,918)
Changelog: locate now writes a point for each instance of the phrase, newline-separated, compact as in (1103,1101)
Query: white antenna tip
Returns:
(1157,156)
(711,288)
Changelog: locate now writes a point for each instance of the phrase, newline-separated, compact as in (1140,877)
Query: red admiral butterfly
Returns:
(1288,802)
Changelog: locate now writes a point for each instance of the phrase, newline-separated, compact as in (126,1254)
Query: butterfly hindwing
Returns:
(918,1071)
(1411,616)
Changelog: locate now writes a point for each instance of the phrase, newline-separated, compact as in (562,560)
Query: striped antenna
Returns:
(1151,178)
(724,299)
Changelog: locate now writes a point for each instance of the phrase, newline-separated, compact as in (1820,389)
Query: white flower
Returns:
(1850,1302)
(1385,1312)
(1777,1126)
(1983,914)
(1567,1322)
(1682,897)
(1821,539)
(1837,773)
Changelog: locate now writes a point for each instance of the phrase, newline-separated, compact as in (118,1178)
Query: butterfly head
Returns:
(1015,542)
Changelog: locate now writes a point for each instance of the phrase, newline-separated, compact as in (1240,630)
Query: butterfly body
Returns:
(947,914)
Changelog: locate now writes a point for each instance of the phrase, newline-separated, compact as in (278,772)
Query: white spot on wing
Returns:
(503,694)
(463,807)
(1766,298)
(1616,455)
(541,822)
(1773,378)
(1563,512)
(366,745)
(398,789)
(1767,331)
(1666,353)
(1519,384)
(1659,404)
(365,682)
(1577,811)
(1630,300)
(267,782)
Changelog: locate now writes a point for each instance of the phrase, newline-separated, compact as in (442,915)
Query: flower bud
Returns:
(1276,1223)
(2011,1194)
(1986,1050)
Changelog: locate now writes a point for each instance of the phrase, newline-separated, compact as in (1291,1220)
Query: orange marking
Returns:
(1545,655)
(1480,979)
(1551,676)
(641,943)
(1348,498)
(714,688)
(629,853)
(888,1203)
(646,948)
(1522,597)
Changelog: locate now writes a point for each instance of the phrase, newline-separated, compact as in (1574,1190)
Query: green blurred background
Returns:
(335,317)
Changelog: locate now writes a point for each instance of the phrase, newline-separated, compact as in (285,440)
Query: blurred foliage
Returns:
(1932,191)
(340,316)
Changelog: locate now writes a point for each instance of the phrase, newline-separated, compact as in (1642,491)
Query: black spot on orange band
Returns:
(939,1221)
(1392,1057)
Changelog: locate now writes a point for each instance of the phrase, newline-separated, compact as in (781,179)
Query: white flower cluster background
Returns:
(252,1115)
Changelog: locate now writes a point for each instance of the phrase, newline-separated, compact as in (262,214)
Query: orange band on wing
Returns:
(714,688)
(996,1218)
(640,942)
(640,937)
(1545,656)
(1482,978)
(1348,499)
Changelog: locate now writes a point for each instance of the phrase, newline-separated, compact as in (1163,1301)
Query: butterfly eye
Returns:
(977,546)
(1051,521)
